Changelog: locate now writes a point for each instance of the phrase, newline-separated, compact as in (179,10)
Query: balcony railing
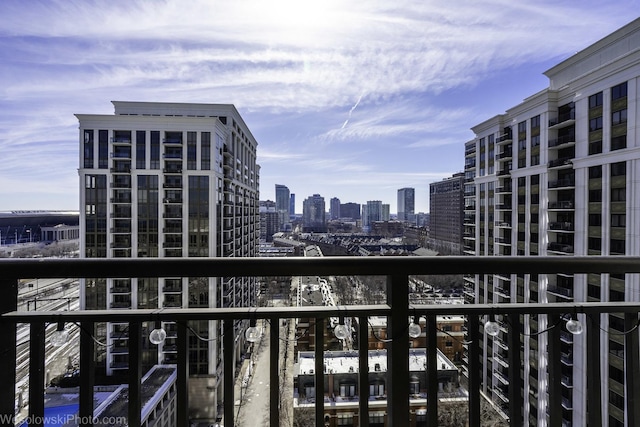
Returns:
(397,309)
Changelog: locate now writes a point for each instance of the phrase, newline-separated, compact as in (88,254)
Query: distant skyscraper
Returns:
(350,210)
(313,214)
(386,212)
(283,202)
(406,204)
(268,220)
(334,208)
(292,206)
(158,180)
(446,205)
(374,213)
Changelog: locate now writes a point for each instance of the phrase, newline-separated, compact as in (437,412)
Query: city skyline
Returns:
(348,101)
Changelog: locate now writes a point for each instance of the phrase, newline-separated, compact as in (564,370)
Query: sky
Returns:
(347,99)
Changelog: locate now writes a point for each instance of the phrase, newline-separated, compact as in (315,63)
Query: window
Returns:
(595,244)
(535,159)
(595,147)
(618,117)
(595,124)
(535,122)
(535,141)
(618,142)
(618,169)
(595,172)
(618,220)
(617,247)
(595,100)
(347,390)
(595,220)
(595,195)
(88,148)
(535,179)
(522,127)
(619,91)
(141,148)
(618,194)
(345,419)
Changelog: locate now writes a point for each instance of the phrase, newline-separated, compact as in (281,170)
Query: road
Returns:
(252,391)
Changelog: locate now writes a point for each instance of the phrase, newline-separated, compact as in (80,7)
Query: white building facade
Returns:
(169,180)
(559,175)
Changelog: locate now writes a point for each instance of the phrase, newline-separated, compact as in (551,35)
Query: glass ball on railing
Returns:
(492,328)
(157,336)
(59,338)
(340,331)
(252,334)
(574,326)
(414,330)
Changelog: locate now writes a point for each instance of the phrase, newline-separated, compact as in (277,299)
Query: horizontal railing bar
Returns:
(184,314)
(238,267)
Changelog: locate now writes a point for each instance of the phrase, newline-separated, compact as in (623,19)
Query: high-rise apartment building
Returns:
(313,214)
(283,201)
(371,212)
(406,204)
(169,180)
(559,175)
(350,210)
(334,208)
(446,201)
(268,220)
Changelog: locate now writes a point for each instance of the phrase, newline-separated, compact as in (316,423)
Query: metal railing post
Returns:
(554,370)
(474,370)
(363,371)
(135,373)
(87,373)
(274,372)
(8,303)
(319,370)
(36,374)
(432,371)
(515,379)
(632,364)
(594,385)
(228,341)
(398,351)
(182,375)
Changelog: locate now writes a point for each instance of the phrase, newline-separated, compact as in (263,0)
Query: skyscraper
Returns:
(406,204)
(334,208)
(558,175)
(283,201)
(168,180)
(313,214)
(446,203)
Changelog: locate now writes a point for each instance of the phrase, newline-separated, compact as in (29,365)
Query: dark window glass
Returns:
(141,149)
(595,172)
(595,100)
(88,148)
(618,169)
(595,220)
(206,150)
(618,220)
(595,195)
(535,122)
(619,91)
(192,148)
(595,124)
(155,149)
(618,142)
(618,117)
(103,149)
(618,194)
(617,247)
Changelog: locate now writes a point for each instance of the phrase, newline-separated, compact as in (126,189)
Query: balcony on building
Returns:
(416,382)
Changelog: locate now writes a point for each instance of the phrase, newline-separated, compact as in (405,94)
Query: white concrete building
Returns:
(169,180)
(559,174)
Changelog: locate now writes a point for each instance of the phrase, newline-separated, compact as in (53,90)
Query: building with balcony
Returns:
(446,199)
(168,180)
(342,392)
(559,175)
